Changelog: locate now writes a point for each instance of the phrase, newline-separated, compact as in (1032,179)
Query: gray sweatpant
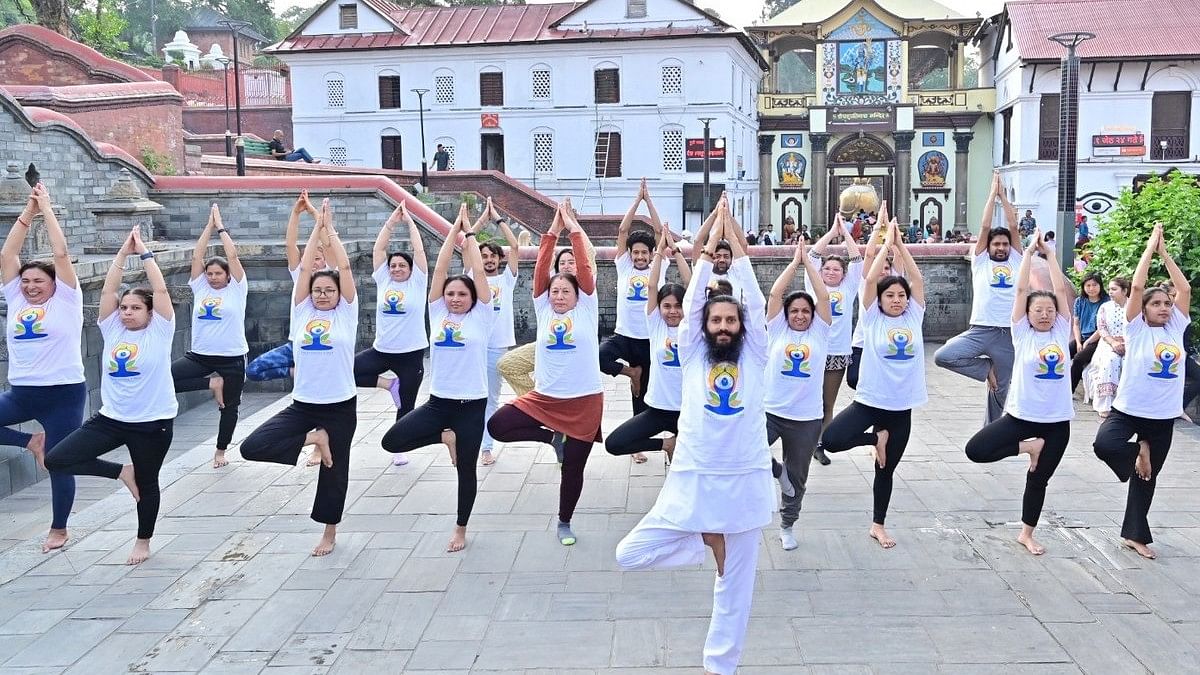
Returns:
(973,353)
(799,441)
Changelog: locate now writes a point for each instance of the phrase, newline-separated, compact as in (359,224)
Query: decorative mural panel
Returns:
(933,139)
(828,72)
(862,26)
(792,140)
(932,167)
(854,150)
(895,74)
(862,68)
(790,168)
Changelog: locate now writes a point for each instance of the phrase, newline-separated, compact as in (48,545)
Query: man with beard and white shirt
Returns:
(984,352)
(719,491)
(502,277)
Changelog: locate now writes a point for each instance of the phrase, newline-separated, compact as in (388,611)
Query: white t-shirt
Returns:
(995,288)
(44,341)
(458,351)
(323,343)
(503,334)
(1040,389)
(219,317)
(567,363)
(633,286)
(400,312)
(841,304)
(1152,376)
(796,369)
(666,372)
(136,385)
(892,374)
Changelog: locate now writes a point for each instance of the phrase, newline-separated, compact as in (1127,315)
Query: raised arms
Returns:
(586,274)
(627,220)
(989,214)
(231,255)
(112,280)
(292,237)
(441,268)
(1023,277)
(544,267)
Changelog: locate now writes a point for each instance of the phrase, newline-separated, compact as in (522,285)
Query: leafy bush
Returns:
(156,162)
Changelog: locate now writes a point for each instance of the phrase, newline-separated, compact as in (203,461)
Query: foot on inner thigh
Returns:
(219,459)
(216,384)
(140,552)
(879,534)
(639,458)
(716,541)
(127,478)
(320,439)
(451,441)
(56,539)
(37,448)
(1142,465)
(880,451)
(669,448)
(1141,549)
(992,383)
(1026,539)
(566,536)
(314,457)
(328,541)
(1033,448)
(635,379)
(458,540)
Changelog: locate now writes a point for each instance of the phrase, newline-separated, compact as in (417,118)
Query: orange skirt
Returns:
(577,417)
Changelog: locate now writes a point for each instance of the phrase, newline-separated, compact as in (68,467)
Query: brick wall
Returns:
(25,63)
(262,121)
(135,128)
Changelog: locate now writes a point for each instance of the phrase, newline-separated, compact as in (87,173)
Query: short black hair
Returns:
(798,295)
(493,247)
(671,290)
(723,246)
(42,265)
(558,257)
(999,232)
(889,281)
(468,282)
(407,257)
(640,237)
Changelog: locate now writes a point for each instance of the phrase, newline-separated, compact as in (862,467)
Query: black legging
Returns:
(852,369)
(511,425)
(849,430)
(1080,360)
(281,438)
(637,433)
(370,363)
(424,426)
(79,454)
(1002,439)
(634,352)
(1114,447)
(191,372)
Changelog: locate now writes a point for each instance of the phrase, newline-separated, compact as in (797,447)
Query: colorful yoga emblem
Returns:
(723,395)
(451,335)
(670,353)
(123,361)
(560,335)
(1166,361)
(29,324)
(316,335)
(1002,276)
(1050,363)
(796,360)
(393,301)
(209,309)
(900,344)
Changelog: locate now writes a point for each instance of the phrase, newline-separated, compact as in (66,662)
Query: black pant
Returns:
(1079,361)
(409,367)
(1002,439)
(191,372)
(424,426)
(1119,453)
(634,352)
(849,430)
(281,438)
(852,369)
(78,454)
(511,425)
(637,433)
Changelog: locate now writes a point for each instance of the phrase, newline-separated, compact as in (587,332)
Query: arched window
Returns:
(443,86)
(606,80)
(491,86)
(670,76)
(796,69)
(672,149)
(390,93)
(391,153)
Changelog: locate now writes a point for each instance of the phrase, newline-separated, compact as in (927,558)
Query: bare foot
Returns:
(487,458)
(451,442)
(1142,465)
(639,458)
(880,535)
(219,459)
(321,453)
(880,451)
(37,447)
(216,384)
(669,448)
(328,541)
(55,540)
(127,478)
(634,373)
(1033,448)
(1026,539)
(141,551)
(716,541)
(1141,549)
(314,457)
(1103,415)
(458,540)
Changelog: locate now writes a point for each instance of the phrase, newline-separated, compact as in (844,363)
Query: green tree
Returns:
(292,17)
(774,7)
(16,11)
(101,29)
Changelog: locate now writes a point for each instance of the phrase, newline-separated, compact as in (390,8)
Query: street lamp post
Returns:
(1068,141)
(235,26)
(1162,145)
(707,200)
(224,61)
(421,113)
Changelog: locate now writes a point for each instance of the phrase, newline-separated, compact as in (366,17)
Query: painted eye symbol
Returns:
(1097,202)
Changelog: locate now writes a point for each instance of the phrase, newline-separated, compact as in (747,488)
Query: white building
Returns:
(577,99)
(1139,96)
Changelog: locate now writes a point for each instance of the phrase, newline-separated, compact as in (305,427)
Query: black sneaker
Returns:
(557,441)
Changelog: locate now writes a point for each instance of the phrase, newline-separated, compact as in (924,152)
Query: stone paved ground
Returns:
(230,588)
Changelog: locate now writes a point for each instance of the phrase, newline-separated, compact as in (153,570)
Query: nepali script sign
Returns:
(867,119)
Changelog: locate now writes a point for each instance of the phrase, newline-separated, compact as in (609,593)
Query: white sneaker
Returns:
(787,539)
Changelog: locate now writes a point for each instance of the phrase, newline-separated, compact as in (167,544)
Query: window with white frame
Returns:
(335,92)
(443,89)
(338,155)
(543,152)
(672,80)
(672,150)
(540,84)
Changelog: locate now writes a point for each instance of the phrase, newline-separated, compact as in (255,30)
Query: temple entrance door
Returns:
(865,157)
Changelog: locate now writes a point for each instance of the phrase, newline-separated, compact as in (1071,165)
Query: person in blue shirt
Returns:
(1083,346)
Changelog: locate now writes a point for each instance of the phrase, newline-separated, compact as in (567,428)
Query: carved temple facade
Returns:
(884,92)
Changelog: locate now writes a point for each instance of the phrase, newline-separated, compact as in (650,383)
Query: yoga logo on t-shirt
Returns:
(670,353)
(900,347)
(835,302)
(723,384)
(124,360)
(1001,276)
(1050,363)
(796,360)
(451,335)
(29,324)
(393,301)
(559,336)
(637,288)
(316,335)
(1166,361)
(209,309)
(495,298)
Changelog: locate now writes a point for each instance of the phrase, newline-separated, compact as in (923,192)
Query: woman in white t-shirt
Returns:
(567,402)
(1151,393)
(45,364)
(217,359)
(460,328)
(137,395)
(664,312)
(323,411)
(892,377)
(1104,374)
(1038,411)
(400,307)
(799,330)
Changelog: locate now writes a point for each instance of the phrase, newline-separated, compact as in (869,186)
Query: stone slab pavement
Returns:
(230,587)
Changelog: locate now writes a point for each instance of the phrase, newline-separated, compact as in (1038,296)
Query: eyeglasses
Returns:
(324,291)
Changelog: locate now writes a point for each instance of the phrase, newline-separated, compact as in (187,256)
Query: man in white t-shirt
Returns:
(984,352)
(501,272)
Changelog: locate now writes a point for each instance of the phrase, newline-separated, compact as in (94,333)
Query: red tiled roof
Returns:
(1128,29)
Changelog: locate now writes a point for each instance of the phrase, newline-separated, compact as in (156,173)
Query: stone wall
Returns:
(262,121)
(133,124)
